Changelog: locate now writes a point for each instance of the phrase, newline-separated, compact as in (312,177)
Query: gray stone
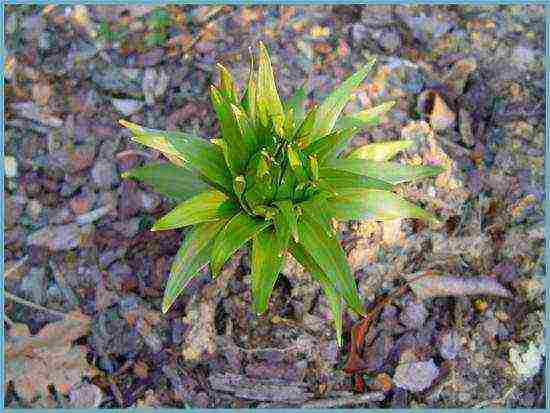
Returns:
(390,40)
(104,174)
(414,314)
(85,395)
(127,106)
(415,376)
(34,285)
(61,237)
(450,345)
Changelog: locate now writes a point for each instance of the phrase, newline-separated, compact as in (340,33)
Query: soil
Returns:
(84,276)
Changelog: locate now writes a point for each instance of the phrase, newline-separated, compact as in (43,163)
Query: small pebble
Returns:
(127,106)
(441,117)
(104,174)
(85,395)
(10,167)
(450,345)
(416,376)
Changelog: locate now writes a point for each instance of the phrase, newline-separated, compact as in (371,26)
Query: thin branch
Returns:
(32,305)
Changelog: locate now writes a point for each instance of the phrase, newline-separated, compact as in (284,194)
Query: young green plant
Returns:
(274,180)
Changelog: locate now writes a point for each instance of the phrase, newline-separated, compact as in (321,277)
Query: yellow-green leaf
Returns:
(381,151)
(246,129)
(249,99)
(375,204)
(390,172)
(364,118)
(170,180)
(210,205)
(334,298)
(332,106)
(238,230)
(269,104)
(267,257)
(157,140)
(194,153)
(303,135)
(297,104)
(335,180)
(289,215)
(236,152)
(328,254)
(330,146)
(227,85)
(193,254)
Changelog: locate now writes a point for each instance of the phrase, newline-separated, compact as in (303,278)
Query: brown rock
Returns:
(441,117)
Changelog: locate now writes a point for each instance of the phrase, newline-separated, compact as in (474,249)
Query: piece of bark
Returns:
(261,390)
(344,401)
(431,286)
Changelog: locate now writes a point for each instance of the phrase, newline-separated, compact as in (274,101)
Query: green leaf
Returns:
(210,205)
(236,153)
(303,135)
(268,248)
(333,105)
(195,153)
(269,104)
(328,254)
(157,140)
(390,172)
(170,180)
(297,103)
(379,152)
(249,99)
(334,298)
(193,254)
(330,146)
(361,204)
(334,180)
(227,88)
(238,230)
(364,118)
(246,129)
(289,215)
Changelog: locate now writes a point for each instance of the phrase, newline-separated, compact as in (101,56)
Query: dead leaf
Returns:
(48,358)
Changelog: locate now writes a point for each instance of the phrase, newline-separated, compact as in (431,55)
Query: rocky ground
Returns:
(84,276)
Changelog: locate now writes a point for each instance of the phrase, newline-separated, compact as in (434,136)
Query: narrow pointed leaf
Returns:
(289,215)
(328,254)
(194,153)
(268,249)
(227,88)
(330,146)
(390,172)
(193,254)
(334,298)
(269,106)
(333,105)
(364,118)
(246,129)
(211,205)
(382,151)
(170,180)
(236,153)
(238,230)
(157,140)
(297,103)
(361,204)
(303,135)
(249,99)
(330,178)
